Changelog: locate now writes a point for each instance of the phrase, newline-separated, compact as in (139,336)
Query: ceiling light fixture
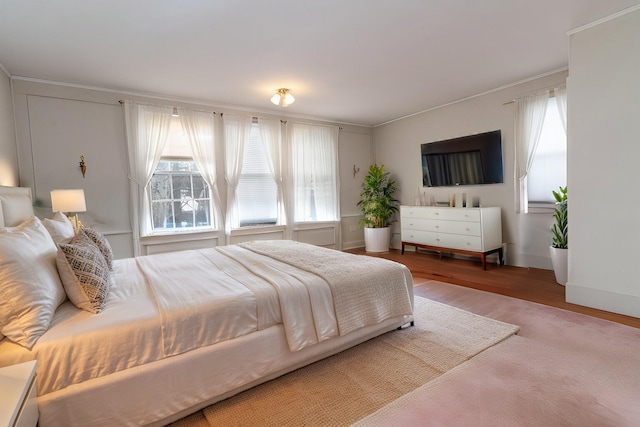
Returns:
(283,97)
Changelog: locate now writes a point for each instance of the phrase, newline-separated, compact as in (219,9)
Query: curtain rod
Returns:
(550,89)
(121,101)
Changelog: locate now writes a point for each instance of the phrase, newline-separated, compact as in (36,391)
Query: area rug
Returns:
(346,387)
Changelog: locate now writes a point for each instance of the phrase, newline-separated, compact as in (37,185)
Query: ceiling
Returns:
(352,61)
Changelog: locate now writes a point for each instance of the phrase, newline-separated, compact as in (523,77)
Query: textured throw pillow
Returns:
(60,228)
(30,288)
(102,243)
(84,273)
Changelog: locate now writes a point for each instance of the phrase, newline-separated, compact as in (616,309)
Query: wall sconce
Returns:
(69,202)
(283,98)
(83,166)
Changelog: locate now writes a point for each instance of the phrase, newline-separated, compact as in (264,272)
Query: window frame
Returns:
(193,171)
(543,206)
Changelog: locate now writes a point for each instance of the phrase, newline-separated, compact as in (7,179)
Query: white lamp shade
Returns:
(68,201)
(288,99)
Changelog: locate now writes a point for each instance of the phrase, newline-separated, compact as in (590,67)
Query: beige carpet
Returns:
(344,388)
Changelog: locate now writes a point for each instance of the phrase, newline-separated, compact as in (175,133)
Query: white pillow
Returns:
(60,228)
(84,273)
(30,288)
(15,208)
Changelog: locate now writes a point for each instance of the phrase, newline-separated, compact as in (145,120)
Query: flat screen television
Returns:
(468,160)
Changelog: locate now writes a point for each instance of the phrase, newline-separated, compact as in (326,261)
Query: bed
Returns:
(162,336)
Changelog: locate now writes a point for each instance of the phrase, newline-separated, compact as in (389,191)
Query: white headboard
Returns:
(15,205)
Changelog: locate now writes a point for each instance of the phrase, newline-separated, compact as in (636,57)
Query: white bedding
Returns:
(168,304)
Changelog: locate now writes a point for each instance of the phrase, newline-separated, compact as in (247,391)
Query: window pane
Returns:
(162,215)
(181,186)
(200,188)
(160,187)
(549,168)
(184,213)
(202,211)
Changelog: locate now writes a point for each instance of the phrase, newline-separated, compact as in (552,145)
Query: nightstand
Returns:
(18,405)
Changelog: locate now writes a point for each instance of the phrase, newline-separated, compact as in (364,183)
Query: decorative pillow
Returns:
(102,243)
(60,228)
(30,288)
(84,273)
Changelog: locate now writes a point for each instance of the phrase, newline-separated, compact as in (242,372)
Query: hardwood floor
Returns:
(529,284)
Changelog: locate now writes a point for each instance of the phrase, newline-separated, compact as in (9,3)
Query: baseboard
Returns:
(614,302)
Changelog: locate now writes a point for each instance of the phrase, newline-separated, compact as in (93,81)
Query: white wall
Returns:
(8,155)
(58,123)
(397,146)
(604,153)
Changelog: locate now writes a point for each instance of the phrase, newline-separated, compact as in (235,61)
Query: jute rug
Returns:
(346,387)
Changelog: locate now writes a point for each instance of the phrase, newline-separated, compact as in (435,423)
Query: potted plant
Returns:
(560,236)
(378,207)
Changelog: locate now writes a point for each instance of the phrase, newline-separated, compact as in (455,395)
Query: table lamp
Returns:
(69,202)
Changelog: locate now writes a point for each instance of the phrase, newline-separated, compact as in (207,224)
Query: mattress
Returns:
(80,346)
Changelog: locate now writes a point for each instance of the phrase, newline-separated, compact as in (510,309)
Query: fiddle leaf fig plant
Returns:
(376,199)
(560,228)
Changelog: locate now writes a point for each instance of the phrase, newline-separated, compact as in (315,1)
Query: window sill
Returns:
(257,229)
(172,237)
(542,208)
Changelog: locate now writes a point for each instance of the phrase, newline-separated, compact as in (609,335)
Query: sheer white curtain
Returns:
(237,129)
(271,134)
(147,128)
(561,101)
(314,154)
(199,127)
(529,118)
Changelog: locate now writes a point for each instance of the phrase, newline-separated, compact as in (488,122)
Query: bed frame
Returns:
(189,381)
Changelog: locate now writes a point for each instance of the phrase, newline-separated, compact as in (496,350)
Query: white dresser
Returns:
(468,231)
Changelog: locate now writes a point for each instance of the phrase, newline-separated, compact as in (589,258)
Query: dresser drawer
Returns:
(421,224)
(420,237)
(426,212)
(461,214)
(457,241)
(459,227)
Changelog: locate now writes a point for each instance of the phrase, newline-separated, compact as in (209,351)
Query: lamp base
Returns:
(77,225)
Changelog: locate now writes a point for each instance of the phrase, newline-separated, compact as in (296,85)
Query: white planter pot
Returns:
(560,264)
(377,239)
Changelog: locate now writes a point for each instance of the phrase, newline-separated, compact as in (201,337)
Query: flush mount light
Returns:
(283,97)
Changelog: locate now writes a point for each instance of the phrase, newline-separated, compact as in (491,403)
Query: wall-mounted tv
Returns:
(468,160)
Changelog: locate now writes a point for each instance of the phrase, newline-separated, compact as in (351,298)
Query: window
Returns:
(257,192)
(315,173)
(549,168)
(180,197)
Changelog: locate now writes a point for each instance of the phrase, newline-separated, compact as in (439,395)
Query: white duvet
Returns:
(167,304)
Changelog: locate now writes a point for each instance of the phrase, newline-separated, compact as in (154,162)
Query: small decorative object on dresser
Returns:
(473,231)
(18,405)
